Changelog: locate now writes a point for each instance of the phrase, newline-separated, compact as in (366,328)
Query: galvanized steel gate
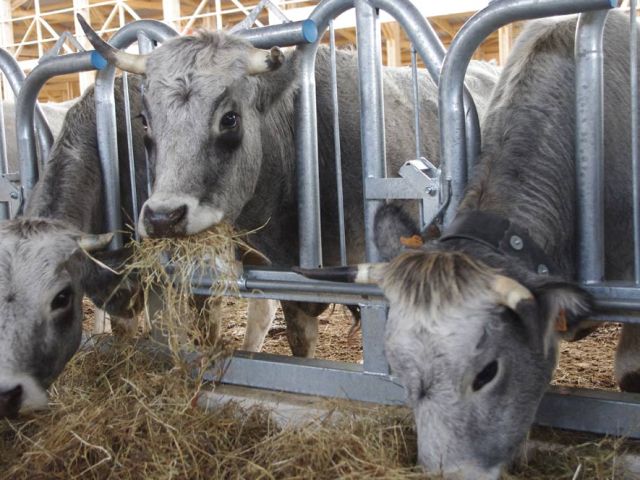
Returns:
(606,412)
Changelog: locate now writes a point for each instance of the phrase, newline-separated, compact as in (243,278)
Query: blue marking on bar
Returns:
(309,30)
(98,60)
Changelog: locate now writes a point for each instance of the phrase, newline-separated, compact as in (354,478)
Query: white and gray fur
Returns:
(475,369)
(246,174)
(43,271)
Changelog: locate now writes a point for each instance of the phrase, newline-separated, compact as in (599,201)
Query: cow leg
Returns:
(302,326)
(100,323)
(627,367)
(260,314)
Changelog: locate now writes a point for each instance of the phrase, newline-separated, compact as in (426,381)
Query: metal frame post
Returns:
(451,106)
(590,145)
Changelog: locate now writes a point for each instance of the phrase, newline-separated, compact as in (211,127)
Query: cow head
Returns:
(204,107)
(474,348)
(44,273)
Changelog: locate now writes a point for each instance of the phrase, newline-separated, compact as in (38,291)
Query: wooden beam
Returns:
(393,41)
(505,42)
(171,13)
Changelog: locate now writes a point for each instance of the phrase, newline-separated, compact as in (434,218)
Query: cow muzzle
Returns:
(165,222)
(10,402)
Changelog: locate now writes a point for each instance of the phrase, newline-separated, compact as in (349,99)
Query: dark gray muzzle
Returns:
(10,401)
(165,223)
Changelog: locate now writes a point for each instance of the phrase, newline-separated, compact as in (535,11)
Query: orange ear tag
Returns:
(412,242)
(561,321)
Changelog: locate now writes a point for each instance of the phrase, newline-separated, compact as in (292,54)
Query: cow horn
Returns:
(123,60)
(361,273)
(262,61)
(91,242)
(510,292)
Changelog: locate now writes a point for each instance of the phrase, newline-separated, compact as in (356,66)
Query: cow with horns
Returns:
(473,318)
(220,127)
(44,271)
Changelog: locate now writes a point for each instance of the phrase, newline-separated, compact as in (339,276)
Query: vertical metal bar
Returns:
(416,100)
(633,64)
(590,145)
(453,145)
(309,229)
(130,153)
(416,119)
(336,144)
(373,320)
(145,45)
(4,164)
(372,138)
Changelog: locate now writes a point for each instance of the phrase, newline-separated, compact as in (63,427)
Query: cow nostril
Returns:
(10,401)
(177,214)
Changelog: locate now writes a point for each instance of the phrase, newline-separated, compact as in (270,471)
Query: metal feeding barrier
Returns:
(438,189)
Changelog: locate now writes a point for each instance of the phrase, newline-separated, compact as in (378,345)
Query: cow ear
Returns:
(395,231)
(562,306)
(277,84)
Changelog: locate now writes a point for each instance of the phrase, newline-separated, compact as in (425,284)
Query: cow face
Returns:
(42,266)
(475,351)
(205,100)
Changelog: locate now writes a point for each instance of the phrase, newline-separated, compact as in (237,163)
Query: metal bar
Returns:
(283,35)
(106,120)
(590,145)
(427,43)
(416,119)
(474,31)
(308,376)
(5,212)
(145,45)
(132,160)
(11,69)
(635,159)
(373,320)
(72,63)
(372,138)
(610,413)
(306,138)
(336,144)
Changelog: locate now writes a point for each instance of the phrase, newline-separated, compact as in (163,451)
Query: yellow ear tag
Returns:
(412,242)
(561,321)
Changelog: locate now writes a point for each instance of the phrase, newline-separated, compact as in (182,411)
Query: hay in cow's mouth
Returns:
(166,268)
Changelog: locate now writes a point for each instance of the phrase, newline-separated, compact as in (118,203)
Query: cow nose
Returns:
(165,223)
(10,401)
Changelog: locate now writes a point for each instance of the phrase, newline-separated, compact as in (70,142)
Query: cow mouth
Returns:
(176,217)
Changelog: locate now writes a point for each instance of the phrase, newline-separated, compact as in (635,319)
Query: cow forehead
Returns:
(33,264)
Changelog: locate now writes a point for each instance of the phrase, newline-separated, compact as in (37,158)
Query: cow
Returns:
(220,126)
(44,271)
(471,331)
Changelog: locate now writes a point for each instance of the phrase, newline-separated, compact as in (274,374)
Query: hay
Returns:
(119,412)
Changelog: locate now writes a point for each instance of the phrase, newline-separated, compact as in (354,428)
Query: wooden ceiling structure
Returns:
(29,28)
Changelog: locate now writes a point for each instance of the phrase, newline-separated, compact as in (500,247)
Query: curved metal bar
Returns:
(106,120)
(590,145)
(309,230)
(477,28)
(16,76)
(283,35)
(428,45)
(72,63)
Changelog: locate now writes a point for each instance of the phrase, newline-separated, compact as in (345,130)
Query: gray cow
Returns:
(43,271)
(220,118)
(471,331)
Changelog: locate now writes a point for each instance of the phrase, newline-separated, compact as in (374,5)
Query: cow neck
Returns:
(501,235)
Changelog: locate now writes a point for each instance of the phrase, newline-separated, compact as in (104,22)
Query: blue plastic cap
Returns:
(309,30)
(98,60)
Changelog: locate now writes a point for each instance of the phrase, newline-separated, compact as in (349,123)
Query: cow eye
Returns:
(63,298)
(145,122)
(485,376)
(229,120)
